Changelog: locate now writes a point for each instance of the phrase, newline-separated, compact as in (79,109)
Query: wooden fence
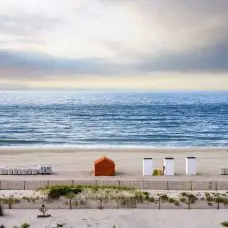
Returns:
(140,184)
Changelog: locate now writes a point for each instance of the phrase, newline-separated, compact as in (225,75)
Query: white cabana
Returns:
(147,167)
(191,166)
(169,166)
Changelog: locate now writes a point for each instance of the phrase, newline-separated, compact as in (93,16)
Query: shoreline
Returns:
(125,149)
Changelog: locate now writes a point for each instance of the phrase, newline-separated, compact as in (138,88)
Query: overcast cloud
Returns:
(39,39)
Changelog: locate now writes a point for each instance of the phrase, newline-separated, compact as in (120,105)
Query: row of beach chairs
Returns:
(224,171)
(40,169)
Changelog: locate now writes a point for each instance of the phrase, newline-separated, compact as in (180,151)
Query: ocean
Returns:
(113,119)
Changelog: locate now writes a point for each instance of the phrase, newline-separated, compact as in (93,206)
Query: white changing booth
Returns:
(147,167)
(169,166)
(191,166)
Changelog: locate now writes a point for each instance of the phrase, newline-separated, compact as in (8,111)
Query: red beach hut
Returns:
(104,167)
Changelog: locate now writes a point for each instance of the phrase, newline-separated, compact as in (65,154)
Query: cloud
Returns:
(207,59)
(113,29)
(56,38)
(16,64)
(25,24)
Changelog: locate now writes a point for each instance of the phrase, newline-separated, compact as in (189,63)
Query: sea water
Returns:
(113,119)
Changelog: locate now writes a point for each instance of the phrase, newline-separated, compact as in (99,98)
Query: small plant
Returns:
(164,198)
(2,226)
(146,195)
(10,201)
(225,223)
(141,196)
(216,198)
(70,196)
(25,225)
(43,209)
(59,225)
(188,199)
(171,200)
(184,194)
(209,198)
(157,172)
(151,199)
(176,203)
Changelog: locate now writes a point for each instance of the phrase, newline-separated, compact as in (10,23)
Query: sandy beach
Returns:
(119,218)
(70,163)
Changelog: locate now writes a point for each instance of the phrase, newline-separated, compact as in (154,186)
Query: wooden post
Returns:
(189,203)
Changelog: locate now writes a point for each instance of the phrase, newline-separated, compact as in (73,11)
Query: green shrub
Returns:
(209,199)
(151,199)
(164,198)
(225,223)
(54,192)
(146,195)
(188,199)
(184,194)
(25,225)
(157,172)
(225,201)
(176,203)
(10,201)
(219,199)
(207,194)
(192,198)
(171,200)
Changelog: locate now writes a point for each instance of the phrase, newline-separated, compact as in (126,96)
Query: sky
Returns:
(114,44)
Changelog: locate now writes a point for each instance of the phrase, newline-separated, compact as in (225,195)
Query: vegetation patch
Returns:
(157,172)
(224,223)
(10,201)
(54,192)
